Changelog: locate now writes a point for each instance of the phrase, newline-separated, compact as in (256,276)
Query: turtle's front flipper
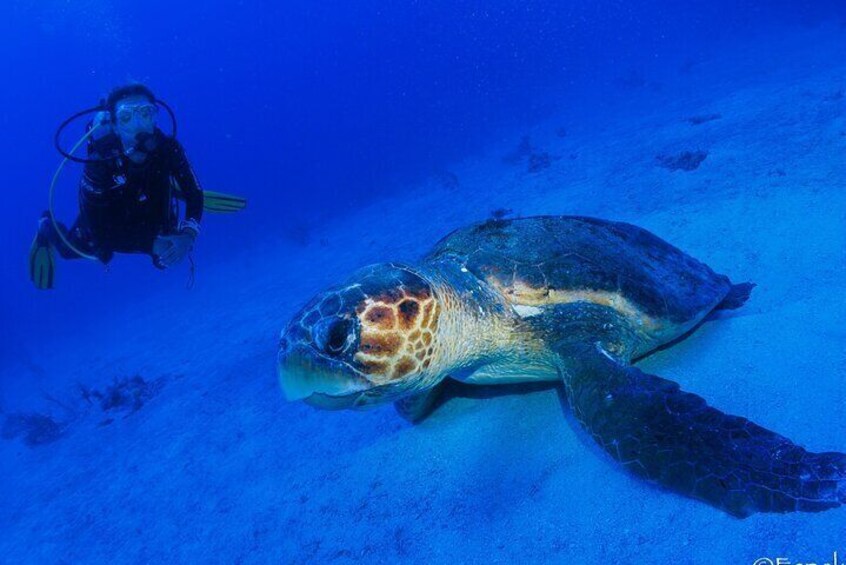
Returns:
(673,437)
(414,408)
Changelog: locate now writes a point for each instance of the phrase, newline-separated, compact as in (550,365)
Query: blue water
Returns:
(363,133)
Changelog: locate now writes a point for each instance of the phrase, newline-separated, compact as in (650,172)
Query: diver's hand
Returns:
(171,249)
(102,124)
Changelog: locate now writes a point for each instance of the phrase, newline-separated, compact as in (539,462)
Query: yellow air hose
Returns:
(52,190)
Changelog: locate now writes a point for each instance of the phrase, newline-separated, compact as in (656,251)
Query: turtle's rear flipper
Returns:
(673,437)
(737,296)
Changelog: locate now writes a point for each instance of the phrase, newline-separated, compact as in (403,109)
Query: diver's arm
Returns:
(97,177)
(102,126)
(103,146)
(189,186)
(97,200)
(170,249)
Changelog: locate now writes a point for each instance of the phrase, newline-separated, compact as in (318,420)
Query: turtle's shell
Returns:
(545,260)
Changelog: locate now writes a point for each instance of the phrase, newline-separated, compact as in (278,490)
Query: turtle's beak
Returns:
(307,375)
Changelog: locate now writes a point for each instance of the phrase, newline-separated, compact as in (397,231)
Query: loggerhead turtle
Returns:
(549,298)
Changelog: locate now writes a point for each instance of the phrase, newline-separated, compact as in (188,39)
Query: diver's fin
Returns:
(215,202)
(672,437)
(222,203)
(42,263)
(414,408)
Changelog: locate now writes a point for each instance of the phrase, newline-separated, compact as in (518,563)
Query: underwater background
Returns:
(364,132)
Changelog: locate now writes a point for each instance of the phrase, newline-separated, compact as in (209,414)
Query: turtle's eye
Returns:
(334,335)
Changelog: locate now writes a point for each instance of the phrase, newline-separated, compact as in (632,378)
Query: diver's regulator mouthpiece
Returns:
(144,143)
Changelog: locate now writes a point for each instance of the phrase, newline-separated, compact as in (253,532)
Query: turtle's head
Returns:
(367,342)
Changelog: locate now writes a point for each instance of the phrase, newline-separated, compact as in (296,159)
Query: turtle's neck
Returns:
(474,323)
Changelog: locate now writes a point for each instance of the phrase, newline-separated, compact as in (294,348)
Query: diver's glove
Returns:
(169,250)
(104,142)
(190,226)
(102,125)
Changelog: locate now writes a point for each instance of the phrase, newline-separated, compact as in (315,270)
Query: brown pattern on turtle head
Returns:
(397,332)
(378,344)
(404,367)
(408,311)
(381,317)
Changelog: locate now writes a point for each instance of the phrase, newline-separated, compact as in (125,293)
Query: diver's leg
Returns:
(79,238)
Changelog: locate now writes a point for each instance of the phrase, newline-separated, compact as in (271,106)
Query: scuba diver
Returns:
(127,195)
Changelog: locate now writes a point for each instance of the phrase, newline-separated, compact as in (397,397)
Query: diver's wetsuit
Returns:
(124,206)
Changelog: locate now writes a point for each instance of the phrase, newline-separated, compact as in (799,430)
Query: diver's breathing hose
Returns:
(53,186)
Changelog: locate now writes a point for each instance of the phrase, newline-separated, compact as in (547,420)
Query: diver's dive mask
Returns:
(144,113)
(135,124)
(142,138)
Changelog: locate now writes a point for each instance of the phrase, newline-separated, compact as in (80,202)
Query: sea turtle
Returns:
(556,298)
